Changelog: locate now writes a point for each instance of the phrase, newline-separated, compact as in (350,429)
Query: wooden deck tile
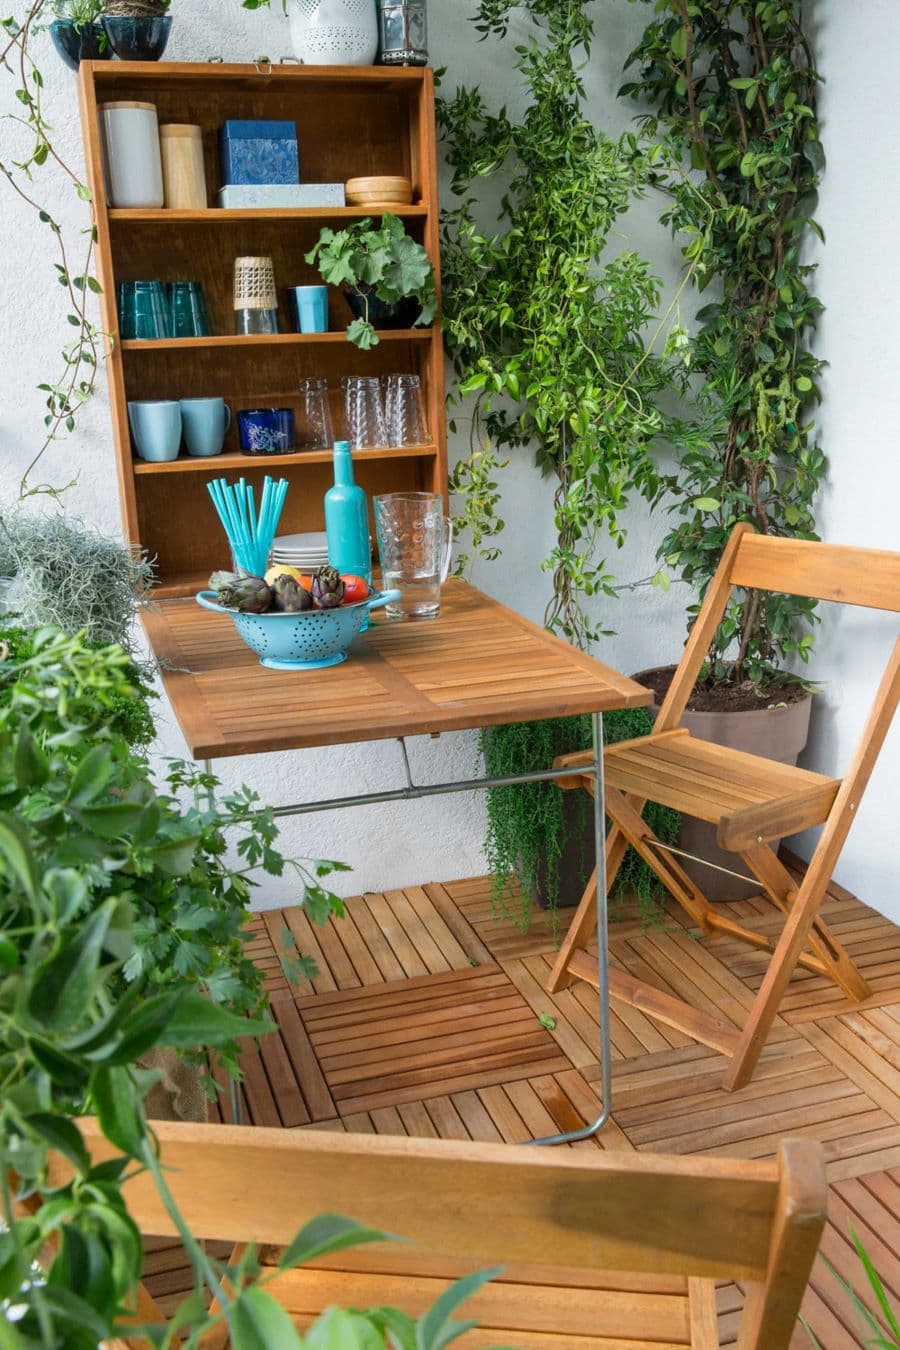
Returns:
(423,1021)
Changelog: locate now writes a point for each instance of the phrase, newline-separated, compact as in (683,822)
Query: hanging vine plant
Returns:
(733,88)
(67,391)
(546,324)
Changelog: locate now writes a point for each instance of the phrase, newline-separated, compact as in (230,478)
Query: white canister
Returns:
(131,154)
(334,32)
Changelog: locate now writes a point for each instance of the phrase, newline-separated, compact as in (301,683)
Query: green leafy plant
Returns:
(81,12)
(551,330)
(529,828)
(385,263)
(71,577)
(67,392)
(89,851)
(732,85)
(882,1327)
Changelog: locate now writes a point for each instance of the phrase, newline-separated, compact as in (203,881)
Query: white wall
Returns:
(392,846)
(859,284)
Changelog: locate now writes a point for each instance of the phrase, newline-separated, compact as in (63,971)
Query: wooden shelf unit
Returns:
(351,121)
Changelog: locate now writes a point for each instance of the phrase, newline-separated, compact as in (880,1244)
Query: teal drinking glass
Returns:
(143,311)
(187,303)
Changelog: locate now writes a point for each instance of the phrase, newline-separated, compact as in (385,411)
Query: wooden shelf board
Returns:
(220,216)
(271,340)
(215,463)
(112,73)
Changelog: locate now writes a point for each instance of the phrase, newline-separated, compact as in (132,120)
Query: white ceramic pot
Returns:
(131,154)
(334,32)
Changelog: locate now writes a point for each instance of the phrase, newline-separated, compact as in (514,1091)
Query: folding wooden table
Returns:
(477,665)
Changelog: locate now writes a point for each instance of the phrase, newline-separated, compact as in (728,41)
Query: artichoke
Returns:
(220,579)
(327,588)
(248,595)
(289,596)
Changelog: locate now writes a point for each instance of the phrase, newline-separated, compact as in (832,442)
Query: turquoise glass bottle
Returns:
(347,518)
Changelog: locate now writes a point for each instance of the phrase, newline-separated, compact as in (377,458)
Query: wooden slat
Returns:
(776,818)
(850,576)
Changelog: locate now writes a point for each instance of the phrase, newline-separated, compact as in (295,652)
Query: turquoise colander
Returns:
(308,641)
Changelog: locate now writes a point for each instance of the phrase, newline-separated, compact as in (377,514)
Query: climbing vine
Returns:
(75,381)
(551,327)
(733,85)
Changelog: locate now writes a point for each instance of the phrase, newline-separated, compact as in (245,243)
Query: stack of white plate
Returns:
(306,551)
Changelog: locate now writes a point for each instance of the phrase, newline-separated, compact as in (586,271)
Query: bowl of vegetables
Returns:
(295,622)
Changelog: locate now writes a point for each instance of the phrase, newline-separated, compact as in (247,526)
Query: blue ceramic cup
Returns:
(309,305)
(156,428)
(204,422)
(266,431)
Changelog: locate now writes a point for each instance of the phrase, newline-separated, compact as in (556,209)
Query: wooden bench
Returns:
(602,1251)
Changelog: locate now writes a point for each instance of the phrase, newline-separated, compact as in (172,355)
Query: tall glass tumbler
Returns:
(315,431)
(188,307)
(364,407)
(415,542)
(143,311)
(404,410)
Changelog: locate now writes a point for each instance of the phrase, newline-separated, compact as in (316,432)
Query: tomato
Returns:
(355,588)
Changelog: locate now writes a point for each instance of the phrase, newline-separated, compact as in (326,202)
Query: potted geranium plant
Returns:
(386,277)
(741,110)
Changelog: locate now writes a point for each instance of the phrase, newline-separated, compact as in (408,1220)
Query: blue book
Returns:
(259,152)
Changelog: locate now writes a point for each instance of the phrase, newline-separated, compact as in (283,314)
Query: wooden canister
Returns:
(184,176)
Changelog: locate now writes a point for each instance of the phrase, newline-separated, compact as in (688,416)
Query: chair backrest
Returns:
(700,1217)
(852,576)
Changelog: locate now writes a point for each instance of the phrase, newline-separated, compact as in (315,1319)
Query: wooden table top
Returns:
(478,664)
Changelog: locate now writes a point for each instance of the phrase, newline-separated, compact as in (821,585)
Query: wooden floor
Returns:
(429,1017)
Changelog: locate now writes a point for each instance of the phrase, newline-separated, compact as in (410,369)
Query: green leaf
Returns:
(328,1233)
(113,820)
(339,1329)
(115,1098)
(678,45)
(258,1322)
(361,333)
(64,983)
(706,504)
(546,1021)
(197,1021)
(92,777)
(15,848)
(436,1329)
(62,1135)
(30,763)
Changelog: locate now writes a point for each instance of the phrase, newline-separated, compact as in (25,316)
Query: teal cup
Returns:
(156,429)
(204,422)
(187,306)
(310,308)
(143,311)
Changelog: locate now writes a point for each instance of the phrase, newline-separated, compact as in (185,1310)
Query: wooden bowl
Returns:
(386,190)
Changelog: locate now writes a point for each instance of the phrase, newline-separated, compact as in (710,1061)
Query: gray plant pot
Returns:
(779,734)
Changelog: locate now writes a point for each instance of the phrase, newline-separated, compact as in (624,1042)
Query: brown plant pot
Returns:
(775,733)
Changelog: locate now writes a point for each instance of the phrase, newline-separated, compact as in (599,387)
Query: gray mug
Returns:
(205,422)
(156,428)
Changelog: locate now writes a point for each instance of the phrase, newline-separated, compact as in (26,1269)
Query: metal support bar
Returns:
(659,847)
(234,1094)
(414,792)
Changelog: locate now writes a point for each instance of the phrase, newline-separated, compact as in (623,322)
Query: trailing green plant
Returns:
(74,384)
(733,85)
(550,326)
(881,1327)
(384,262)
(89,851)
(81,12)
(528,828)
(71,577)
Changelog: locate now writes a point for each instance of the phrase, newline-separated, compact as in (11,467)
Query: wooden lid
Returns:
(145,107)
(181,129)
(385,185)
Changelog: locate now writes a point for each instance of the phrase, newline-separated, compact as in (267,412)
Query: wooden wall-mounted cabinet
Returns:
(351,121)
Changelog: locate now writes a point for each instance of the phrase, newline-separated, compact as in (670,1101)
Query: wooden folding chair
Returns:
(566,1226)
(750,799)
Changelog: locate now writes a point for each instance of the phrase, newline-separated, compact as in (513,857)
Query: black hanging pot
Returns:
(382,313)
(77,42)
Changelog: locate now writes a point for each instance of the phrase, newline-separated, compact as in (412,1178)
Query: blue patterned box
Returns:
(259,152)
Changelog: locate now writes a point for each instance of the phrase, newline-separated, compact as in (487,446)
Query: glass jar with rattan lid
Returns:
(255,297)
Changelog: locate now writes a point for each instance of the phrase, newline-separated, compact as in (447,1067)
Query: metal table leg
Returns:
(413,792)
(233,1092)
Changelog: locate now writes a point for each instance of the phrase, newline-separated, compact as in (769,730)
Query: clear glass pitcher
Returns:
(415,544)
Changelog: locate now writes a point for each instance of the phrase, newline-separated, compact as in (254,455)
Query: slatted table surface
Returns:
(478,664)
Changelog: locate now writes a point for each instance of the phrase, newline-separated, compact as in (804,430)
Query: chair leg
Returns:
(651,849)
(765,1007)
(781,889)
(583,926)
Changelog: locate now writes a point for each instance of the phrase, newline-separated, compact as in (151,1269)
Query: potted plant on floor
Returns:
(137,30)
(733,88)
(386,277)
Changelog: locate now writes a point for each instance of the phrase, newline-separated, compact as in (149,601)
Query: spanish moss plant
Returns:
(71,577)
(528,828)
